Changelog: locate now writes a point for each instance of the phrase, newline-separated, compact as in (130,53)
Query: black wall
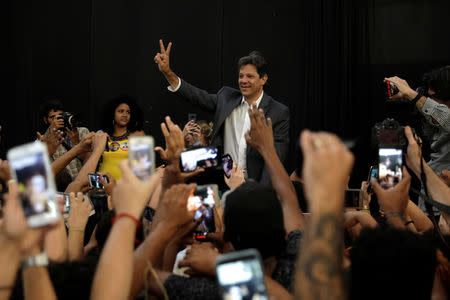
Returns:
(328,57)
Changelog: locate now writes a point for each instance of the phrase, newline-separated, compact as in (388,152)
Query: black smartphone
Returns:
(392,89)
(206,157)
(390,167)
(227,165)
(241,275)
(94,181)
(202,201)
(352,198)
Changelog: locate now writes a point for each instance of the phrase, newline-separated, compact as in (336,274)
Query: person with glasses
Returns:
(122,119)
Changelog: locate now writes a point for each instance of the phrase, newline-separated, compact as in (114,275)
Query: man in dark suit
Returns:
(230,108)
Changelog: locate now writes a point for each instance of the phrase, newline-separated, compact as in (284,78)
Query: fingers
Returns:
(409,135)
(269,123)
(161,47)
(375,186)
(168,49)
(161,153)
(306,143)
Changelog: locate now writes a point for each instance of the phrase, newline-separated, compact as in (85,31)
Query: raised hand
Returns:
(5,171)
(174,141)
(162,58)
(53,138)
(200,259)
(99,141)
(79,212)
(237,177)
(327,164)
(86,142)
(404,90)
(395,199)
(172,210)
(260,135)
(108,187)
(74,135)
(131,194)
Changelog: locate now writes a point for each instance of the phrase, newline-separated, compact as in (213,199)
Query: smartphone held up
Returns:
(142,156)
(203,200)
(30,168)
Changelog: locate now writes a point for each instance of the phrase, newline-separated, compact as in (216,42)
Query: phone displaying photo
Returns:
(227,165)
(30,167)
(241,276)
(66,199)
(202,200)
(94,181)
(142,156)
(390,167)
(205,157)
(373,173)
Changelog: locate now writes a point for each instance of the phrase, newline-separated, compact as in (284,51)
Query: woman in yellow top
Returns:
(123,118)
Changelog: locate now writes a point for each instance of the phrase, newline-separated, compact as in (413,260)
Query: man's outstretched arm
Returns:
(195,95)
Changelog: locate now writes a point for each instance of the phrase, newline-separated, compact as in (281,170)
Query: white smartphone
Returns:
(142,156)
(30,168)
(241,275)
(390,167)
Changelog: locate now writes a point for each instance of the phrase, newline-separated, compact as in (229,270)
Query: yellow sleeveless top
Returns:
(118,151)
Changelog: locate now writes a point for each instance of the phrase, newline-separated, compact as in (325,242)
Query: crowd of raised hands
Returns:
(127,269)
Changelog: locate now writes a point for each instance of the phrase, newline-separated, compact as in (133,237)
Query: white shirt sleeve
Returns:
(170,88)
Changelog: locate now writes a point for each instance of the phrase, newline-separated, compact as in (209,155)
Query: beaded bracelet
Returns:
(76,229)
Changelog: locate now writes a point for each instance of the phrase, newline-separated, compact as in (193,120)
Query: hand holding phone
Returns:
(30,167)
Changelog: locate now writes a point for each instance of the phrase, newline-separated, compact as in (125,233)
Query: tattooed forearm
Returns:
(319,268)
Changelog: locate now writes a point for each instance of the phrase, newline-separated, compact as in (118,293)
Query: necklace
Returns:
(120,138)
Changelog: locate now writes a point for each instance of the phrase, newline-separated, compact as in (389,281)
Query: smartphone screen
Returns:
(30,168)
(241,277)
(94,181)
(32,179)
(201,157)
(141,156)
(203,200)
(66,199)
(227,165)
(390,167)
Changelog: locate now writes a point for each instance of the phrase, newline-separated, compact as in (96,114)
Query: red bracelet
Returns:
(138,223)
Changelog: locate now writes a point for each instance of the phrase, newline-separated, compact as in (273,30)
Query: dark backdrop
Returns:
(327,57)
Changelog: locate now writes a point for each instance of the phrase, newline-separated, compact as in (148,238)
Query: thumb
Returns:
(161,152)
(38,135)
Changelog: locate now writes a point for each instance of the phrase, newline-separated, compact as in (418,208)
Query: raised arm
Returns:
(78,217)
(98,146)
(195,95)
(261,138)
(116,261)
(437,189)
(84,146)
(327,164)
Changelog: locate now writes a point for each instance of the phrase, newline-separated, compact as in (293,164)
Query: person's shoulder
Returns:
(229,91)
(276,105)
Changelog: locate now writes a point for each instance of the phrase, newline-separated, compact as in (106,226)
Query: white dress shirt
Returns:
(236,125)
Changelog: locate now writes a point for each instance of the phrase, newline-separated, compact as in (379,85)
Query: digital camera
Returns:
(389,134)
(70,120)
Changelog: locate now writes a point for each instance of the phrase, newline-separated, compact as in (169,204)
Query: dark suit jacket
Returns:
(223,103)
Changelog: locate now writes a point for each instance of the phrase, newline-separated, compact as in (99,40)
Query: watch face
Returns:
(37,260)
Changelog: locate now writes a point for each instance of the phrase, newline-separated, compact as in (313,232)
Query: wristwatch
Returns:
(40,260)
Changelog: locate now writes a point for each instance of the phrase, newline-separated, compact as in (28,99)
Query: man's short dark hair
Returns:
(439,81)
(254,58)
(388,263)
(50,103)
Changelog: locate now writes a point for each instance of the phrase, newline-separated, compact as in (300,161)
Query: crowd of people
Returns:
(140,242)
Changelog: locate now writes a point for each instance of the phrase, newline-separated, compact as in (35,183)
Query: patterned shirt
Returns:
(76,164)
